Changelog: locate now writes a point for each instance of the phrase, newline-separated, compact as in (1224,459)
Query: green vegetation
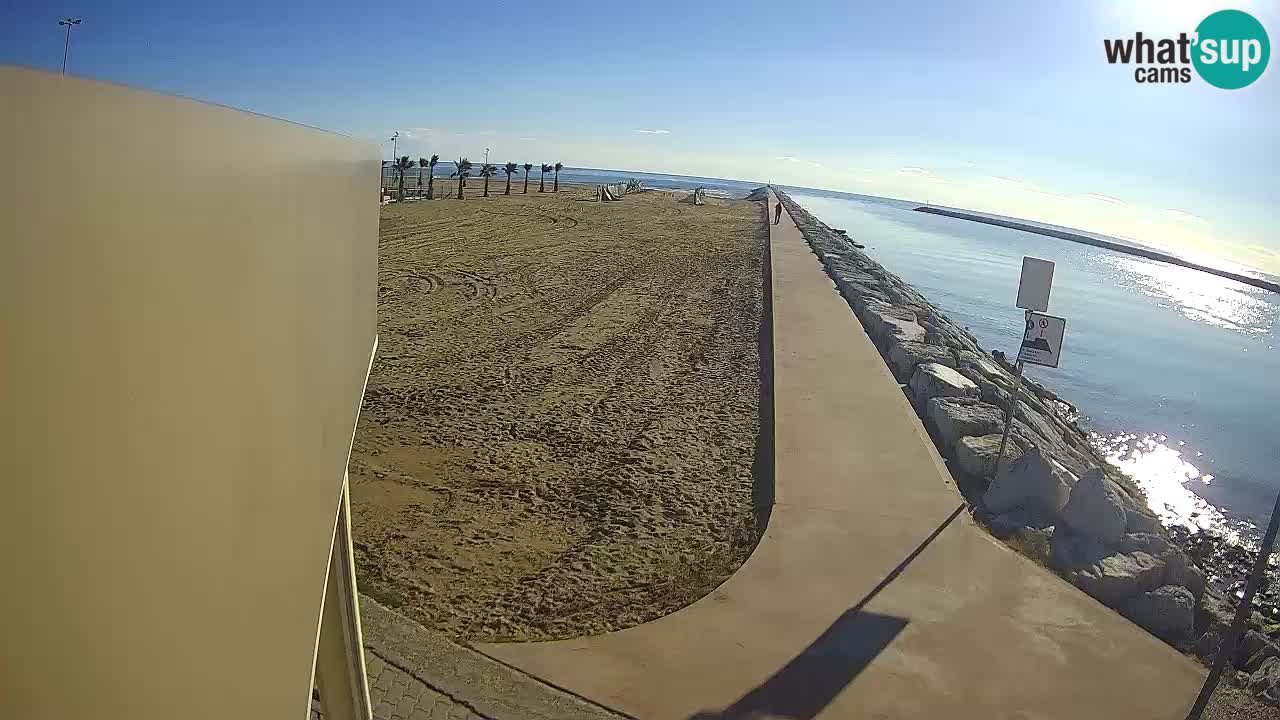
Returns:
(510,169)
(462,172)
(487,170)
(402,164)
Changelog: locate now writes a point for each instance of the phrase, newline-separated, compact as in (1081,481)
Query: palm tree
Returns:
(464,169)
(510,169)
(402,164)
(487,171)
(422,162)
(542,179)
(431,179)
(527,168)
(557,187)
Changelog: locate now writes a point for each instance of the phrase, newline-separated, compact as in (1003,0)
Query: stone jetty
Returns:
(1056,498)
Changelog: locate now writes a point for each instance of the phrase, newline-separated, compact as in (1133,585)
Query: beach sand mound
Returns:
(559,430)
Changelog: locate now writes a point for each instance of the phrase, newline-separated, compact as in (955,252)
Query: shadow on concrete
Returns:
(762,491)
(811,680)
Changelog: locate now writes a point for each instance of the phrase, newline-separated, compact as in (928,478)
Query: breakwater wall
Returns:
(1057,499)
(1096,242)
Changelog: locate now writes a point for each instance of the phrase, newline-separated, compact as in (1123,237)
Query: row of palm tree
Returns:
(463,170)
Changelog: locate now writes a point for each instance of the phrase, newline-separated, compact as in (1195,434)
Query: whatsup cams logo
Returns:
(1229,50)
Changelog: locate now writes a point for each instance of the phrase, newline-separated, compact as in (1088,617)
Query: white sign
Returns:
(1042,340)
(1034,285)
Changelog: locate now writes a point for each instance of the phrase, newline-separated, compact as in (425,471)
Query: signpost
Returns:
(1042,340)
(1041,336)
(1034,284)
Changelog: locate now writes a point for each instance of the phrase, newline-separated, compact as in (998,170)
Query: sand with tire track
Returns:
(559,430)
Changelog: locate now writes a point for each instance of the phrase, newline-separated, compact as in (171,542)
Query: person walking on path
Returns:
(777,213)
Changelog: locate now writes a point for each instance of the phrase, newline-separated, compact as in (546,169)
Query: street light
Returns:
(67,45)
(486,156)
(395,138)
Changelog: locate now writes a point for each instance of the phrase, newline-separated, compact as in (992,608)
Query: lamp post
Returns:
(66,46)
(486,156)
(395,139)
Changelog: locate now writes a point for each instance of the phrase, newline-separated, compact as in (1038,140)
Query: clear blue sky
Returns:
(1007,107)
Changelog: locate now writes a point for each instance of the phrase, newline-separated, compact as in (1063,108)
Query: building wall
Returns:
(185,331)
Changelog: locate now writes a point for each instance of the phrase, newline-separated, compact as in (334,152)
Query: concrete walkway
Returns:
(416,673)
(872,594)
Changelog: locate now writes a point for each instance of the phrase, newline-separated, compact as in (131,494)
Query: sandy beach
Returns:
(559,430)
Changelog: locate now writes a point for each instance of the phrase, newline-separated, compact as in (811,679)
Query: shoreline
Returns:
(961,393)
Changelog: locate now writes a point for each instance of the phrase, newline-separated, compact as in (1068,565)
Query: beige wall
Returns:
(181,365)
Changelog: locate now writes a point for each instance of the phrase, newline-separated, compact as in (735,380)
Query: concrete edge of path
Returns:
(486,686)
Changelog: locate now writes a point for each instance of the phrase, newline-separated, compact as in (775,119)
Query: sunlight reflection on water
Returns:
(1200,296)
(1166,477)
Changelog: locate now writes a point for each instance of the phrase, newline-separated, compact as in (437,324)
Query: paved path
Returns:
(416,673)
(397,694)
(872,594)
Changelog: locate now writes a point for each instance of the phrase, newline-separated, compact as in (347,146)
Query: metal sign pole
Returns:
(1012,410)
(1229,644)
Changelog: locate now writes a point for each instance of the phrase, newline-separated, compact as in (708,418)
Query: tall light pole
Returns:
(486,156)
(395,139)
(66,47)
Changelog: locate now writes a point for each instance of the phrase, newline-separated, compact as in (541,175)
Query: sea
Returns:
(1175,371)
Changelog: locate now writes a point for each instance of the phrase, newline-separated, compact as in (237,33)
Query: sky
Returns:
(1006,107)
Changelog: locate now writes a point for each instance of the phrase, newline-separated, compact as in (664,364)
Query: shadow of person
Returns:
(807,684)
(812,679)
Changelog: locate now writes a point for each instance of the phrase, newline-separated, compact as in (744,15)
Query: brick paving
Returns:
(397,694)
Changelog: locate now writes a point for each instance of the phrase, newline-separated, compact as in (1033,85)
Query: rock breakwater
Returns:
(1056,498)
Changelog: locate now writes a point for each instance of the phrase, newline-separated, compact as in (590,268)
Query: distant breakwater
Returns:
(1057,500)
(1096,242)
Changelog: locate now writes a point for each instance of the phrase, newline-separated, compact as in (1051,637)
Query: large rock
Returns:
(1138,520)
(1264,683)
(1215,613)
(932,380)
(1251,644)
(904,357)
(1153,545)
(1008,524)
(857,288)
(887,324)
(1179,570)
(896,331)
(976,456)
(1255,661)
(1032,483)
(983,364)
(989,391)
(1115,579)
(862,301)
(1069,550)
(1094,509)
(1167,612)
(1207,646)
(954,418)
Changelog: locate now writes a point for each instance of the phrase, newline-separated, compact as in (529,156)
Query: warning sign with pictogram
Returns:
(1042,341)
